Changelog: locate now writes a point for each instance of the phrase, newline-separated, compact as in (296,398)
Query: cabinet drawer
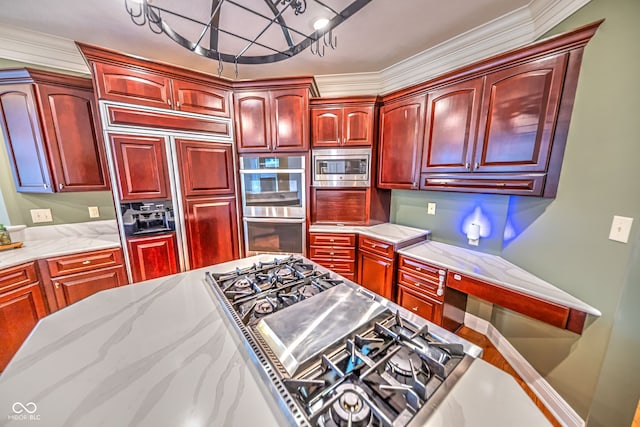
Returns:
(424,307)
(348,254)
(376,246)
(17,276)
(318,239)
(77,263)
(430,272)
(73,288)
(337,266)
(424,287)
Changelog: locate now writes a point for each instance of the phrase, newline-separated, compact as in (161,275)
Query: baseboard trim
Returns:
(560,409)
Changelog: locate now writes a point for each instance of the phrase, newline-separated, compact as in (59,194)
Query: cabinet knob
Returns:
(373,245)
(57,285)
(331,265)
(331,253)
(60,186)
(168,102)
(476,165)
(331,240)
(87,262)
(415,309)
(45,185)
(467,166)
(418,269)
(178,104)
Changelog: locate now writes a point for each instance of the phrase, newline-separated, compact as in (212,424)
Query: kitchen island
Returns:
(164,353)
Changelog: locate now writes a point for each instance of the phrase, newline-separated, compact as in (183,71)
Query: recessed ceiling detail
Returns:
(246,31)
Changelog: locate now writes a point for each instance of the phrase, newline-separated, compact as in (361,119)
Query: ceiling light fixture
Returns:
(251,32)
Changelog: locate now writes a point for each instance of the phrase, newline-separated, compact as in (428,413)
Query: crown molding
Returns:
(32,47)
(515,29)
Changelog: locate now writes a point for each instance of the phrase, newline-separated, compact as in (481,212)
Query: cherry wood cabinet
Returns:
(375,273)
(152,257)
(339,122)
(335,251)
(154,88)
(70,278)
(141,166)
(22,304)
(212,230)
(421,288)
(52,132)
(272,116)
(422,305)
(332,206)
(210,204)
(402,126)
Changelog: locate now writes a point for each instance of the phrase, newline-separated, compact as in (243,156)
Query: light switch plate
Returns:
(41,215)
(620,229)
(94,212)
(431,208)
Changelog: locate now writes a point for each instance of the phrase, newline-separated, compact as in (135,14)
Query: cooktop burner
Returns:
(267,287)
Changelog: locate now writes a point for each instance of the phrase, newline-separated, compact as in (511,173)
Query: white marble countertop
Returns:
(494,269)
(56,240)
(390,233)
(163,353)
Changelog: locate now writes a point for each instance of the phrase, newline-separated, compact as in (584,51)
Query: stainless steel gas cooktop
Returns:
(335,354)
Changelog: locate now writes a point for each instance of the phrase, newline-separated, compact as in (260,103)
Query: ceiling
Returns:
(380,35)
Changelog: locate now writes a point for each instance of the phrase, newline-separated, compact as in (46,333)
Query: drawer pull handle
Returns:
(457,277)
(331,253)
(415,309)
(418,269)
(331,265)
(373,245)
(331,240)
(57,285)
(87,262)
(440,290)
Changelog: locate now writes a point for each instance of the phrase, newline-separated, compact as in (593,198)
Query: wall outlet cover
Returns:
(620,229)
(41,215)
(94,212)
(431,208)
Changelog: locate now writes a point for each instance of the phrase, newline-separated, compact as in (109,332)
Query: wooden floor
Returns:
(493,356)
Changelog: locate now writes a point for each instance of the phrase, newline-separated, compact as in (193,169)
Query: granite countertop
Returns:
(157,353)
(390,233)
(494,269)
(56,240)
(163,353)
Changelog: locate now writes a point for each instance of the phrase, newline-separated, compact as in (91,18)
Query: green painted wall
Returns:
(565,240)
(65,207)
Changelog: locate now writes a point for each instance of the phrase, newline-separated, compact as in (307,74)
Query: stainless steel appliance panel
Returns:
(274,235)
(296,334)
(342,167)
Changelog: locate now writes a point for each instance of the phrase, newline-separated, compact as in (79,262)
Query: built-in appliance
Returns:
(146,218)
(273,204)
(335,354)
(342,167)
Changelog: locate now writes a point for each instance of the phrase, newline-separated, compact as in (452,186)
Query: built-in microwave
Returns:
(342,167)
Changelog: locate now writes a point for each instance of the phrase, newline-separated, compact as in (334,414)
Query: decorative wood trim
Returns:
(560,409)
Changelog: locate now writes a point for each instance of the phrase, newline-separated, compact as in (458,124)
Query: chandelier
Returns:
(246,31)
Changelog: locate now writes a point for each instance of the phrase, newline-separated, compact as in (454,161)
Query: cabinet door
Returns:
(421,305)
(519,111)
(212,230)
(253,130)
(402,132)
(326,127)
(141,167)
(152,257)
(73,288)
(375,274)
(73,139)
(357,125)
(452,119)
(290,128)
(20,310)
(206,168)
(339,206)
(138,87)
(200,98)
(25,144)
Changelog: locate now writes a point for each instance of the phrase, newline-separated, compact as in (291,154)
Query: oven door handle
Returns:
(270,171)
(276,220)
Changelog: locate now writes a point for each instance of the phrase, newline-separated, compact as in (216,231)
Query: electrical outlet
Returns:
(41,215)
(620,229)
(94,212)
(431,208)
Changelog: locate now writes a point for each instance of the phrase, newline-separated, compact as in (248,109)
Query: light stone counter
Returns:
(494,269)
(390,233)
(158,353)
(55,240)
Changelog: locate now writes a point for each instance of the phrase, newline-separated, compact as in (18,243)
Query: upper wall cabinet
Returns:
(52,132)
(401,135)
(274,118)
(154,89)
(342,122)
(498,126)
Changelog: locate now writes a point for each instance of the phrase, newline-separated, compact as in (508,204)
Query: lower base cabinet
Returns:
(73,288)
(22,304)
(375,273)
(421,305)
(152,257)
